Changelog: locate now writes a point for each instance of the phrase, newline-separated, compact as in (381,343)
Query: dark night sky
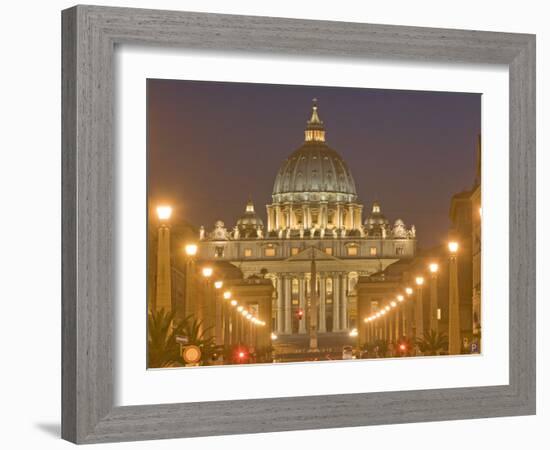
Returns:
(212,145)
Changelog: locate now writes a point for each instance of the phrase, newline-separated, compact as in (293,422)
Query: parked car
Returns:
(347,352)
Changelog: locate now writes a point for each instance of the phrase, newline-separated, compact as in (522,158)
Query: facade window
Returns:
(328,250)
(399,250)
(352,251)
(247,252)
(218,252)
(294,250)
(269,252)
(373,251)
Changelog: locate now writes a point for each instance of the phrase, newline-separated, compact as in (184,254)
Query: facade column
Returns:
(290,216)
(351,220)
(322,303)
(302,304)
(308,210)
(338,216)
(358,216)
(344,302)
(324,214)
(280,304)
(409,318)
(397,321)
(269,219)
(336,303)
(277,217)
(288,304)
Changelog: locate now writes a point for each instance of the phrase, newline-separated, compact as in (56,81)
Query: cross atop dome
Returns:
(315,130)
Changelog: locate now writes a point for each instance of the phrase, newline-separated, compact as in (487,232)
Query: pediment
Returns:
(310,252)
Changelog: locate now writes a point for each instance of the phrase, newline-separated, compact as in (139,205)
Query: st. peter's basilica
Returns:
(314,214)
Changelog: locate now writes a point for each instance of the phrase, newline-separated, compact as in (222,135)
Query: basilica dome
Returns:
(315,167)
(250,219)
(250,224)
(376,221)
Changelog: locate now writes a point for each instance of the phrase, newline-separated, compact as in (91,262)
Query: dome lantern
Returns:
(315,130)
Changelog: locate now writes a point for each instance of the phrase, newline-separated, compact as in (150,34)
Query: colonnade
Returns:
(399,322)
(338,294)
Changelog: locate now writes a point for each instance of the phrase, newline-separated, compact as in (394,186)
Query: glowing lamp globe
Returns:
(164,212)
(191,249)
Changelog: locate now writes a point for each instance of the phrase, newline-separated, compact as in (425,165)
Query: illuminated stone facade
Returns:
(314,212)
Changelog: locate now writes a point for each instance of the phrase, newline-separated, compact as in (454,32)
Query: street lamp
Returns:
(408,291)
(218,284)
(419,308)
(163,297)
(453,247)
(434,324)
(454,308)
(207,272)
(191,249)
(164,212)
(227,295)
(400,298)
(190,305)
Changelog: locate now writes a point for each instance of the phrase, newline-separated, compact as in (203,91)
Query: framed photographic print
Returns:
(264,229)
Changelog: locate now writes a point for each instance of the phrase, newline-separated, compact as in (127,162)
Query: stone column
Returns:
(290,216)
(409,318)
(336,303)
(219,317)
(288,304)
(419,313)
(302,304)
(234,325)
(324,214)
(190,296)
(454,310)
(434,323)
(163,298)
(280,304)
(269,209)
(277,217)
(344,302)
(322,303)
(358,218)
(338,216)
(397,334)
(351,220)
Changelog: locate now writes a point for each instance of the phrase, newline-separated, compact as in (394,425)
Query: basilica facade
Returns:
(314,214)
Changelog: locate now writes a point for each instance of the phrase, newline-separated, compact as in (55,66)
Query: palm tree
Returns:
(433,343)
(162,348)
(191,327)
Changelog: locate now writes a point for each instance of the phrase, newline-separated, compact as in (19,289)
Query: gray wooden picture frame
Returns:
(90,34)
